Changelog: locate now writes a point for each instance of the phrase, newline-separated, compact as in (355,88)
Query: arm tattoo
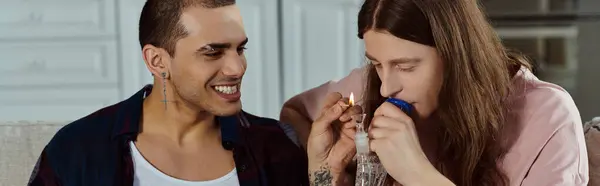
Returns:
(321,177)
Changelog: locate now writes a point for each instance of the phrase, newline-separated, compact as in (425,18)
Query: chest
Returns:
(185,164)
(147,175)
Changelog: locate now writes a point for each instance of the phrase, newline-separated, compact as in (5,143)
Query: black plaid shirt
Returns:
(94,150)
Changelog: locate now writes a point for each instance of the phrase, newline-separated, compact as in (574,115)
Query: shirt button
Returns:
(242,167)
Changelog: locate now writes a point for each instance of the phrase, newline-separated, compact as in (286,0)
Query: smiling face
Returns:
(409,71)
(208,65)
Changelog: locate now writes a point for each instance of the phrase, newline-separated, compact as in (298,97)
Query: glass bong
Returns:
(369,170)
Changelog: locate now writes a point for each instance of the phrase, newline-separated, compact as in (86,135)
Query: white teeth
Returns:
(227,89)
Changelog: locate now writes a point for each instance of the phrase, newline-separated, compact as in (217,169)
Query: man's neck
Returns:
(178,121)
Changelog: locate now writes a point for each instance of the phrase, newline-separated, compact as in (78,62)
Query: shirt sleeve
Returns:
(563,159)
(353,83)
(43,174)
(290,133)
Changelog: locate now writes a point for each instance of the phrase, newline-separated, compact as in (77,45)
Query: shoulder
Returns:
(276,147)
(84,136)
(542,104)
(273,127)
(353,83)
(545,134)
(96,125)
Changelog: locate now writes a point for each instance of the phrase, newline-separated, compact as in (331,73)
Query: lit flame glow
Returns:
(351,99)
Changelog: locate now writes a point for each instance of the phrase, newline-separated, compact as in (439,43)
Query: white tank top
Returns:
(148,175)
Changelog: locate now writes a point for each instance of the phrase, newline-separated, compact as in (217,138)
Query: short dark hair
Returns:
(159,21)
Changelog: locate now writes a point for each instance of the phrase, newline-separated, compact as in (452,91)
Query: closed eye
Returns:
(405,67)
(241,50)
(214,54)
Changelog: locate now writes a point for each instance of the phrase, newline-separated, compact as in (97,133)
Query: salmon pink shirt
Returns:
(545,132)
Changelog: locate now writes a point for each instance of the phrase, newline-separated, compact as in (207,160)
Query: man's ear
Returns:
(157,60)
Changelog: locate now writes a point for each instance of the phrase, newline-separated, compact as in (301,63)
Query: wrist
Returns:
(324,175)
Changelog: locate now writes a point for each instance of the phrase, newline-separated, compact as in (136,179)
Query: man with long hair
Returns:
(481,117)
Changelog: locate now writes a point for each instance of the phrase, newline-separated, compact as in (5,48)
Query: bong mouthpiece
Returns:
(403,105)
(361,138)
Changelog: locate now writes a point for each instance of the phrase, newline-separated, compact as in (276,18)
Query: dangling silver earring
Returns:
(164,77)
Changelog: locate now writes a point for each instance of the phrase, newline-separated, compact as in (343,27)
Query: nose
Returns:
(390,85)
(234,67)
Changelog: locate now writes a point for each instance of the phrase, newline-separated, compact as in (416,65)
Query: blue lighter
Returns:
(403,105)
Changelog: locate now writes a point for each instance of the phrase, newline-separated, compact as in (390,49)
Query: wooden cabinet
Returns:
(546,31)
(82,19)
(62,60)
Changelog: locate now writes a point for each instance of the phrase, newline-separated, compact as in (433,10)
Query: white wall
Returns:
(319,42)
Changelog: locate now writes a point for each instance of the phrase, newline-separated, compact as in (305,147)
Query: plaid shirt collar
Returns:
(128,121)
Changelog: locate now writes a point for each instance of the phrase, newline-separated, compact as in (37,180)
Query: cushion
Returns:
(21,144)
(592,138)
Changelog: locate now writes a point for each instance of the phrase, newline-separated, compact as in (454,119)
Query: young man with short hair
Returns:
(188,127)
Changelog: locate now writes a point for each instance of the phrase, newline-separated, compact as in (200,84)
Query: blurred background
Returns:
(63,59)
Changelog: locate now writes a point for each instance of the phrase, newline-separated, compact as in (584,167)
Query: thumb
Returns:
(327,117)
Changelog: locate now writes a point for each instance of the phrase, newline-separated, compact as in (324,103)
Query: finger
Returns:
(330,100)
(375,144)
(379,133)
(385,122)
(390,110)
(348,149)
(349,129)
(346,101)
(328,116)
(349,133)
(349,125)
(354,110)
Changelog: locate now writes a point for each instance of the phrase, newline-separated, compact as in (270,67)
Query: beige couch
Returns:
(592,138)
(20,146)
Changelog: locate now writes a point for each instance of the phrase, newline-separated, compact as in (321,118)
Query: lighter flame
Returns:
(351,99)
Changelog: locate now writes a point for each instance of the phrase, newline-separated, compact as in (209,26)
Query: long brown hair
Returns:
(477,80)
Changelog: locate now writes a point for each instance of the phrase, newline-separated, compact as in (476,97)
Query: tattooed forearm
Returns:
(321,177)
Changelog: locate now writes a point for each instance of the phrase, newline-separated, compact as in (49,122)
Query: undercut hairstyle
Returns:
(160,21)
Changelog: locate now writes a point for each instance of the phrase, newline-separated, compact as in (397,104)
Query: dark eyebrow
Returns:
(244,42)
(219,46)
(396,61)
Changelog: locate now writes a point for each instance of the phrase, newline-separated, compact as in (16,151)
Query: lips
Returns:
(230,92)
